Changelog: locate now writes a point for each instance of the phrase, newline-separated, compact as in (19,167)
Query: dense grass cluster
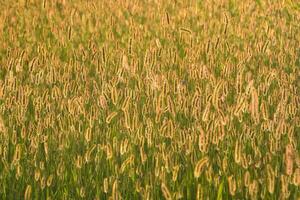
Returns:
(136,99)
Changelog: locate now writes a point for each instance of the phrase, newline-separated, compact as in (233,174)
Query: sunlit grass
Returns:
(149,99)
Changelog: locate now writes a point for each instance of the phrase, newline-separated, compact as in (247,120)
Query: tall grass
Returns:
(149,99)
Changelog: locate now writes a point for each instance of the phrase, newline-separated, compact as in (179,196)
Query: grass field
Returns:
(149,99)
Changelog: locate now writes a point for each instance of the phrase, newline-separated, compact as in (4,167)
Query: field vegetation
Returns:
(149,99)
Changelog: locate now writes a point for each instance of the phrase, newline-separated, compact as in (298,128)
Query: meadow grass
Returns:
(156,99)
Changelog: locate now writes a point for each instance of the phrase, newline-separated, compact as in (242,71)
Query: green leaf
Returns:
(220,190)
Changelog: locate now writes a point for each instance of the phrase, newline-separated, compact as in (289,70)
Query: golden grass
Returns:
(151,99)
